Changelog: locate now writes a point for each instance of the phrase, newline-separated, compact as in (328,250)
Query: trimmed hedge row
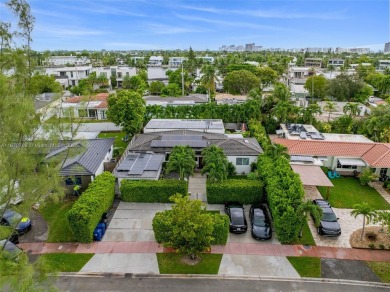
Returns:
(88,209)
(151,191)
(162,227)
(244,191)
(284,193)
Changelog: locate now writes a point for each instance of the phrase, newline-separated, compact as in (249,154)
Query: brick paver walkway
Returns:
(379,187)
(230,248)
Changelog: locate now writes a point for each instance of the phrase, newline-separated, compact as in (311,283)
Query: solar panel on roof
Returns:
(137,169)
(154,163)
(180,137)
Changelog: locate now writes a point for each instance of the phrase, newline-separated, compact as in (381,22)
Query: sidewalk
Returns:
(233,248)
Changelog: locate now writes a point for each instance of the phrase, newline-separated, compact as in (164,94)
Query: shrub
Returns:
(382,246)
(386,184)
(151,191)
(162,227)
(372,236)
(371,245)
(367,176)
(221,229)
(244,191)
(87,211)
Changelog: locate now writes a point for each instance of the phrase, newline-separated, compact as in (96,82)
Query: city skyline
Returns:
(178,24)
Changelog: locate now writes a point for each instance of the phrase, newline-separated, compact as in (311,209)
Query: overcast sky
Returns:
(206,24)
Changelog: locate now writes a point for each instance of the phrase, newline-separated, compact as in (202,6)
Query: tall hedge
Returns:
(88,209)
(284,193)
(244,191)
(162,227)
(152,191)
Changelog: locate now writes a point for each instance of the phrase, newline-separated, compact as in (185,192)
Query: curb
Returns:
(227,277)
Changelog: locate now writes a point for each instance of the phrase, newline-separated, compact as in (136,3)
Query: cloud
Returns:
(279,14)
(59,31)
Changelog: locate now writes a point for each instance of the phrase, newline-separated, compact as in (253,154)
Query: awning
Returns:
(312,175)
(351,161)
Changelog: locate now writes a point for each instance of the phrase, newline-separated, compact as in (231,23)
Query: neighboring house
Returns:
(339,110)
(155,61)
(207,59)
(191,99)
(345,154)
(313,62)
(336,62)
(66,61)
(69,76)
(204,126)
(175,62)
(94,107)
(118,71)
(384,64)
(226,98)
(81,161)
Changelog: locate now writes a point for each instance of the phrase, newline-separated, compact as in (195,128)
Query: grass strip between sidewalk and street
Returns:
(55,216)
(306,266)
(381,269)
(171,263)
(66,262)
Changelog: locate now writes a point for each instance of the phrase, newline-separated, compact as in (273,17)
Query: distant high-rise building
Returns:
(387,48)
(249,47)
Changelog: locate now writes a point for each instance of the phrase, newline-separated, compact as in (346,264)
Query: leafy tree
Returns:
(215,163)
(281,92)
(383,217)
(171,90)
(275,151)
(283,110)
(175,77)
(135,83)
(267,75)
(113,81)
(127,109)
(190,226)
(191,63)
(344,124)
(156,87)
(351,108)
(364,71)
(377,125)
(366,211)
(242,66)
(309,112)
(240,82)
(181,160)
(345,87)
(43,83)
(316,85)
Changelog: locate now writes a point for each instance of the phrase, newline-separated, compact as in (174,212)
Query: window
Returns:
(71,74)
(119,74)
(73,181)
(242,161)
(345,166)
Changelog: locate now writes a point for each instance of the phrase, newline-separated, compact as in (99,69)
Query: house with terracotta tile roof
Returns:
(346,157)
(346,153)
(88,107)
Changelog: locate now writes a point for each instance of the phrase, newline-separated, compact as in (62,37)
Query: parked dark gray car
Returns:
(260,221)
(329,225)
(235,211)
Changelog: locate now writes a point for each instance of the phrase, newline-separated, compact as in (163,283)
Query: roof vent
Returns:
(246,141)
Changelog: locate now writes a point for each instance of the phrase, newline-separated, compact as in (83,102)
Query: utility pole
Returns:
(182,79)
(312,85)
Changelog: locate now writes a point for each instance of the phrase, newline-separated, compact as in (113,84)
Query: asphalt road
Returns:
(185,283)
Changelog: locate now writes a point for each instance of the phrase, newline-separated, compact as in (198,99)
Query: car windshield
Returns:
(329,217)
(260,221)
(237,216)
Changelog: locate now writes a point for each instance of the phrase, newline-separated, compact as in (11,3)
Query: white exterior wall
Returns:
(242,168)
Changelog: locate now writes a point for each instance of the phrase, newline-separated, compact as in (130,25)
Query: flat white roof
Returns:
(184,124)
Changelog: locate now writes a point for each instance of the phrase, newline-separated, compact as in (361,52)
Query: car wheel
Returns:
(319,231)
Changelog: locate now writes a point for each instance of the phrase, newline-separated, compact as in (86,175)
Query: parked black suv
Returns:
(235,211)
(260,221)
(328,223)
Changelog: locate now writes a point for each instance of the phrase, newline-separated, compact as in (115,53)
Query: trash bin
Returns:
(98,234)
(103,226)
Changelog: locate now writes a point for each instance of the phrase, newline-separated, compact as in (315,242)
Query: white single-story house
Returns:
(84,160)
(94,107)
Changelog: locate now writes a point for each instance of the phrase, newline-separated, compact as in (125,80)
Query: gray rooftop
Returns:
(90,155)
(177,124)
(159,143)
(140,165)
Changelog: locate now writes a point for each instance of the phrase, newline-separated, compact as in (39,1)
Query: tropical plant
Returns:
(309,112)
(240,82)
(367,176)
(216,164)
(307,208)
(209,78)
(329,107)
(383,217)
(181,160)
(275,151)
(351,108)
(366,211)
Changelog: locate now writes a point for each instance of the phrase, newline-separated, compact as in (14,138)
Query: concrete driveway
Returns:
(348,223)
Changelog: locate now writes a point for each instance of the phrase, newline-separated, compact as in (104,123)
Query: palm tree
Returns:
(215,163)
(276,151)
(367,212)
(209,78)
(282,110)
(331,68)
(351,108)
(182,160)
(307,208)
(309,112)
(329,107)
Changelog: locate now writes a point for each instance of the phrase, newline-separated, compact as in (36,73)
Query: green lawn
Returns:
(118,143)
(307,237)
(170,263)
(381,269)
(66,262)
(306,266)
(348,191)
(55,216)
